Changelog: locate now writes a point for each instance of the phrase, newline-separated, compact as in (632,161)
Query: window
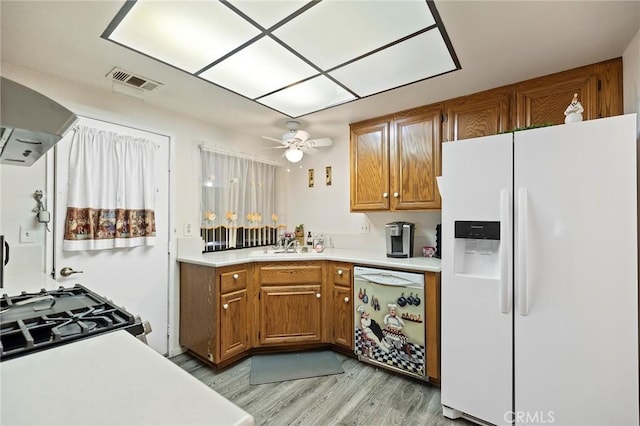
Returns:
(239,201)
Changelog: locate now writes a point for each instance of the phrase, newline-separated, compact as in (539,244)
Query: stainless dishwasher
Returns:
(390,320)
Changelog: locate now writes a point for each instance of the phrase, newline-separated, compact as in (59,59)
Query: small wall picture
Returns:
(327,176)
(310,178)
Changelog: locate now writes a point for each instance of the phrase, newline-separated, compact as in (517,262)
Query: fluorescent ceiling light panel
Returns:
(334,32)
(187,35)
(294,56)
(309,96)
(398,65)
(268,13)
(259,69)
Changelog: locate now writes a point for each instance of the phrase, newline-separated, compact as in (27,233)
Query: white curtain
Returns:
(111,191)
(239,201)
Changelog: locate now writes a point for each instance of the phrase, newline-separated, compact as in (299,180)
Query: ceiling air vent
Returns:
(133,80)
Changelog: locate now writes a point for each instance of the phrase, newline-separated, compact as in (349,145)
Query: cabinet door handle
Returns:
(346,300)
(235,276)
(340,272)
(385,195)
(225,306)
(318,295)
(396,195)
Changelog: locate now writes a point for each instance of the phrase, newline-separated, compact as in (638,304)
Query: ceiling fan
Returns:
(297,142)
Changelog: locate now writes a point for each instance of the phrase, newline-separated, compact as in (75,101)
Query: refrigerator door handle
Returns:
(523,308)
(505,252)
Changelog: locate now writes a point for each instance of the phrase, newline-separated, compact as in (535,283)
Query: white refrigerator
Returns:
(539,276)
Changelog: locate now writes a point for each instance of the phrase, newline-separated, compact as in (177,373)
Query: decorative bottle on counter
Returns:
(309,239)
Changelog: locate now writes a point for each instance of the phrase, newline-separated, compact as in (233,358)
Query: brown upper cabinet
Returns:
(395,158)
(481,114)
(370,164)
(394,161)
(543,100)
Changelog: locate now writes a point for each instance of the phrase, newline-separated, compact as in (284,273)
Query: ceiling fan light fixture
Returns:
(293,154)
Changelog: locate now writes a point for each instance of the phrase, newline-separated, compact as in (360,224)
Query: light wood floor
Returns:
(362,395)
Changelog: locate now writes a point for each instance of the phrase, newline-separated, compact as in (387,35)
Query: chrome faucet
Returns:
(292,246)
(287,245)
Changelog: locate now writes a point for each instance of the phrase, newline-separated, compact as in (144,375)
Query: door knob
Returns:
(67,271)
(340,272)
(318,295)
(346,300)
(235,276)
(225,306)
(396,195)
(385,195)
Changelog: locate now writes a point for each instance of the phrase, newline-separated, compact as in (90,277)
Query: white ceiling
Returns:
(497,43)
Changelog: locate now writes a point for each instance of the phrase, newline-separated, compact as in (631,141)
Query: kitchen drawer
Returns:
(341,275)
(291,273)
(233,280)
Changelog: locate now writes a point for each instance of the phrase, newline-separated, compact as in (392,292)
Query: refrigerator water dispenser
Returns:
(477,247)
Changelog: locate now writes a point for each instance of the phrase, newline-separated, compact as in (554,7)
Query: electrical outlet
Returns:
(26,235)
(188,229)
(365,226)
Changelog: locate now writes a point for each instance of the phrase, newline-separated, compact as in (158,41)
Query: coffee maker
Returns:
(399,237)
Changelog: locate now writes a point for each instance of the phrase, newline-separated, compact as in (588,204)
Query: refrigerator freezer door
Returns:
(576,349)
(476,300)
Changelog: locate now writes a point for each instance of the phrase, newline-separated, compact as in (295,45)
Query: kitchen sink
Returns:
(278,253)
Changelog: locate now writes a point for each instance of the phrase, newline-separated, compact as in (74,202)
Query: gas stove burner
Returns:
(76,327)
(80,323)
(28,324)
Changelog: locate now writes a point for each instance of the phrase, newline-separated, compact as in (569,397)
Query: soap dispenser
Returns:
(309,239)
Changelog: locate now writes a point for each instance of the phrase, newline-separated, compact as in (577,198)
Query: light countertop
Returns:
(110,379)
(358,257)
(31,282)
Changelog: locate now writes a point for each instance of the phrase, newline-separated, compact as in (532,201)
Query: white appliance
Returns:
(390,320)
(540,321)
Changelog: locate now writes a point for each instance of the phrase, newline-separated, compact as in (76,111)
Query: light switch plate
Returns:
(26,235)
(365,226)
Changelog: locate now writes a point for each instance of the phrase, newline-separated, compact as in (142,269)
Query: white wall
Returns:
(17,185)
(326,208)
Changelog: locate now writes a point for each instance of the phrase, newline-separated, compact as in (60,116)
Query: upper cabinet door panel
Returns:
(545,99)
(416,161)
(481,114)
(610,95)
(370,166)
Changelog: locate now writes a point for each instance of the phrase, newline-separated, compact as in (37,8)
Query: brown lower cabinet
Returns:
(339,277)
(289,302)
(229,312)
(215,319)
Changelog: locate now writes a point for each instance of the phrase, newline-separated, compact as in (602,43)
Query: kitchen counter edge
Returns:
(359,257)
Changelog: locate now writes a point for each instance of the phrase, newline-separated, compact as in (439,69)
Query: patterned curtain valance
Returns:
(111,191)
